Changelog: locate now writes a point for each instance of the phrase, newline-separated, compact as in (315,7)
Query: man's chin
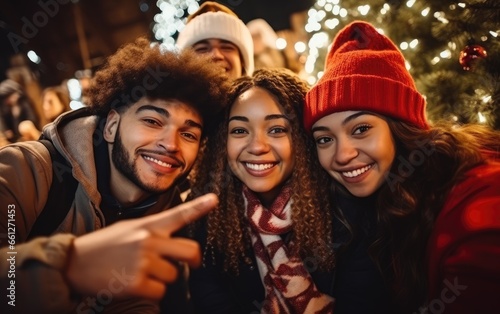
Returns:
(157,187)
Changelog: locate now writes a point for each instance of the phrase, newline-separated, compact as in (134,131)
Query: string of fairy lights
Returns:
(321,30)
(326,15)
(323,18)
(172,19)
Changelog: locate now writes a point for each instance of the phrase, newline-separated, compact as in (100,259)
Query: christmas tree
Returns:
(452,49)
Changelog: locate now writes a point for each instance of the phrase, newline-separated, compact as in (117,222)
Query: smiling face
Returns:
(356,148)
(224,53)
(259,148)
(152,143)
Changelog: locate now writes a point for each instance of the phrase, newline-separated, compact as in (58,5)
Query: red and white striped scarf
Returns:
(289,286)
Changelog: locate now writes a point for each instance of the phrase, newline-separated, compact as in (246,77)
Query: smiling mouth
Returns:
(357,172)
(159,162)
(224,67)
(259,167)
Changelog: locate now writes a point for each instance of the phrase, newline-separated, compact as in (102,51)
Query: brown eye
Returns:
(237,131)
(277,130)
(323,140)
(201,49)
(228,47)
(361,129)
(190,136)
(150,121)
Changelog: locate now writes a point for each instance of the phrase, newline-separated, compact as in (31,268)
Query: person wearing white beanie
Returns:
(215,29)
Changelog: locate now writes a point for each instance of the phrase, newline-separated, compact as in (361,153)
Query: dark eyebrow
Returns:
(319,128)
(239,118)
(267,118)
(203,41)
(207,42)
(166,114)
(344,122)
(354,116)
(159,110)
(193,124)
(227,42)
(276,116)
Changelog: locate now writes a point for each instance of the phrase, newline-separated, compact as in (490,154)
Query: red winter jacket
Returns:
(463,252)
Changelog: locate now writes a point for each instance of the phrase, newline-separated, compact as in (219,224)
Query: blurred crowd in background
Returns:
(26,106)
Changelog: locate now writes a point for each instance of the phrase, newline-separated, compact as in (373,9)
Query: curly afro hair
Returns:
(144,69)
(227,229)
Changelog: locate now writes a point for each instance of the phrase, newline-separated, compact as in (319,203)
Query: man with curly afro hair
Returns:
(148,115)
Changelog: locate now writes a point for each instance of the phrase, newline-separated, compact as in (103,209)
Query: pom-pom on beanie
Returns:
(220,25)
(365,71)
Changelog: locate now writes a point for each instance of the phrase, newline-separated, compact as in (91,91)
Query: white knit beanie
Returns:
(219,25)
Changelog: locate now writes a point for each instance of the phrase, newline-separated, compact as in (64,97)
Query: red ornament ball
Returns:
(470,53)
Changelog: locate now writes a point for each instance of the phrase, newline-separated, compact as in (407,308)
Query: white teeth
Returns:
(159,162)
(357,172)
(259,167)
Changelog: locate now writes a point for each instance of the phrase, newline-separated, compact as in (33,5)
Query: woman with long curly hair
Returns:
(269,243)
(433,191)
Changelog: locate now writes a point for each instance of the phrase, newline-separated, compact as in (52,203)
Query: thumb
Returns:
(173,219)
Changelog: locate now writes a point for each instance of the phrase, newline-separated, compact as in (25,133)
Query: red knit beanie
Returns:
(365,71)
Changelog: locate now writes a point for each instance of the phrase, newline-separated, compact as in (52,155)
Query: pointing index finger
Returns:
(175,218)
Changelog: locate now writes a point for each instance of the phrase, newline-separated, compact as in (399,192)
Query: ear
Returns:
(111,126)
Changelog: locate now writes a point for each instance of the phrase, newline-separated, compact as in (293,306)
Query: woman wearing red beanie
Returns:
(433,191)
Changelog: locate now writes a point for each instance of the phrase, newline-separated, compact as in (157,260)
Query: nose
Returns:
(345,151)
(216,54)
(258,144)
(168,141)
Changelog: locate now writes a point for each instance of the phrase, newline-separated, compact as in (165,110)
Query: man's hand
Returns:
(131,258)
